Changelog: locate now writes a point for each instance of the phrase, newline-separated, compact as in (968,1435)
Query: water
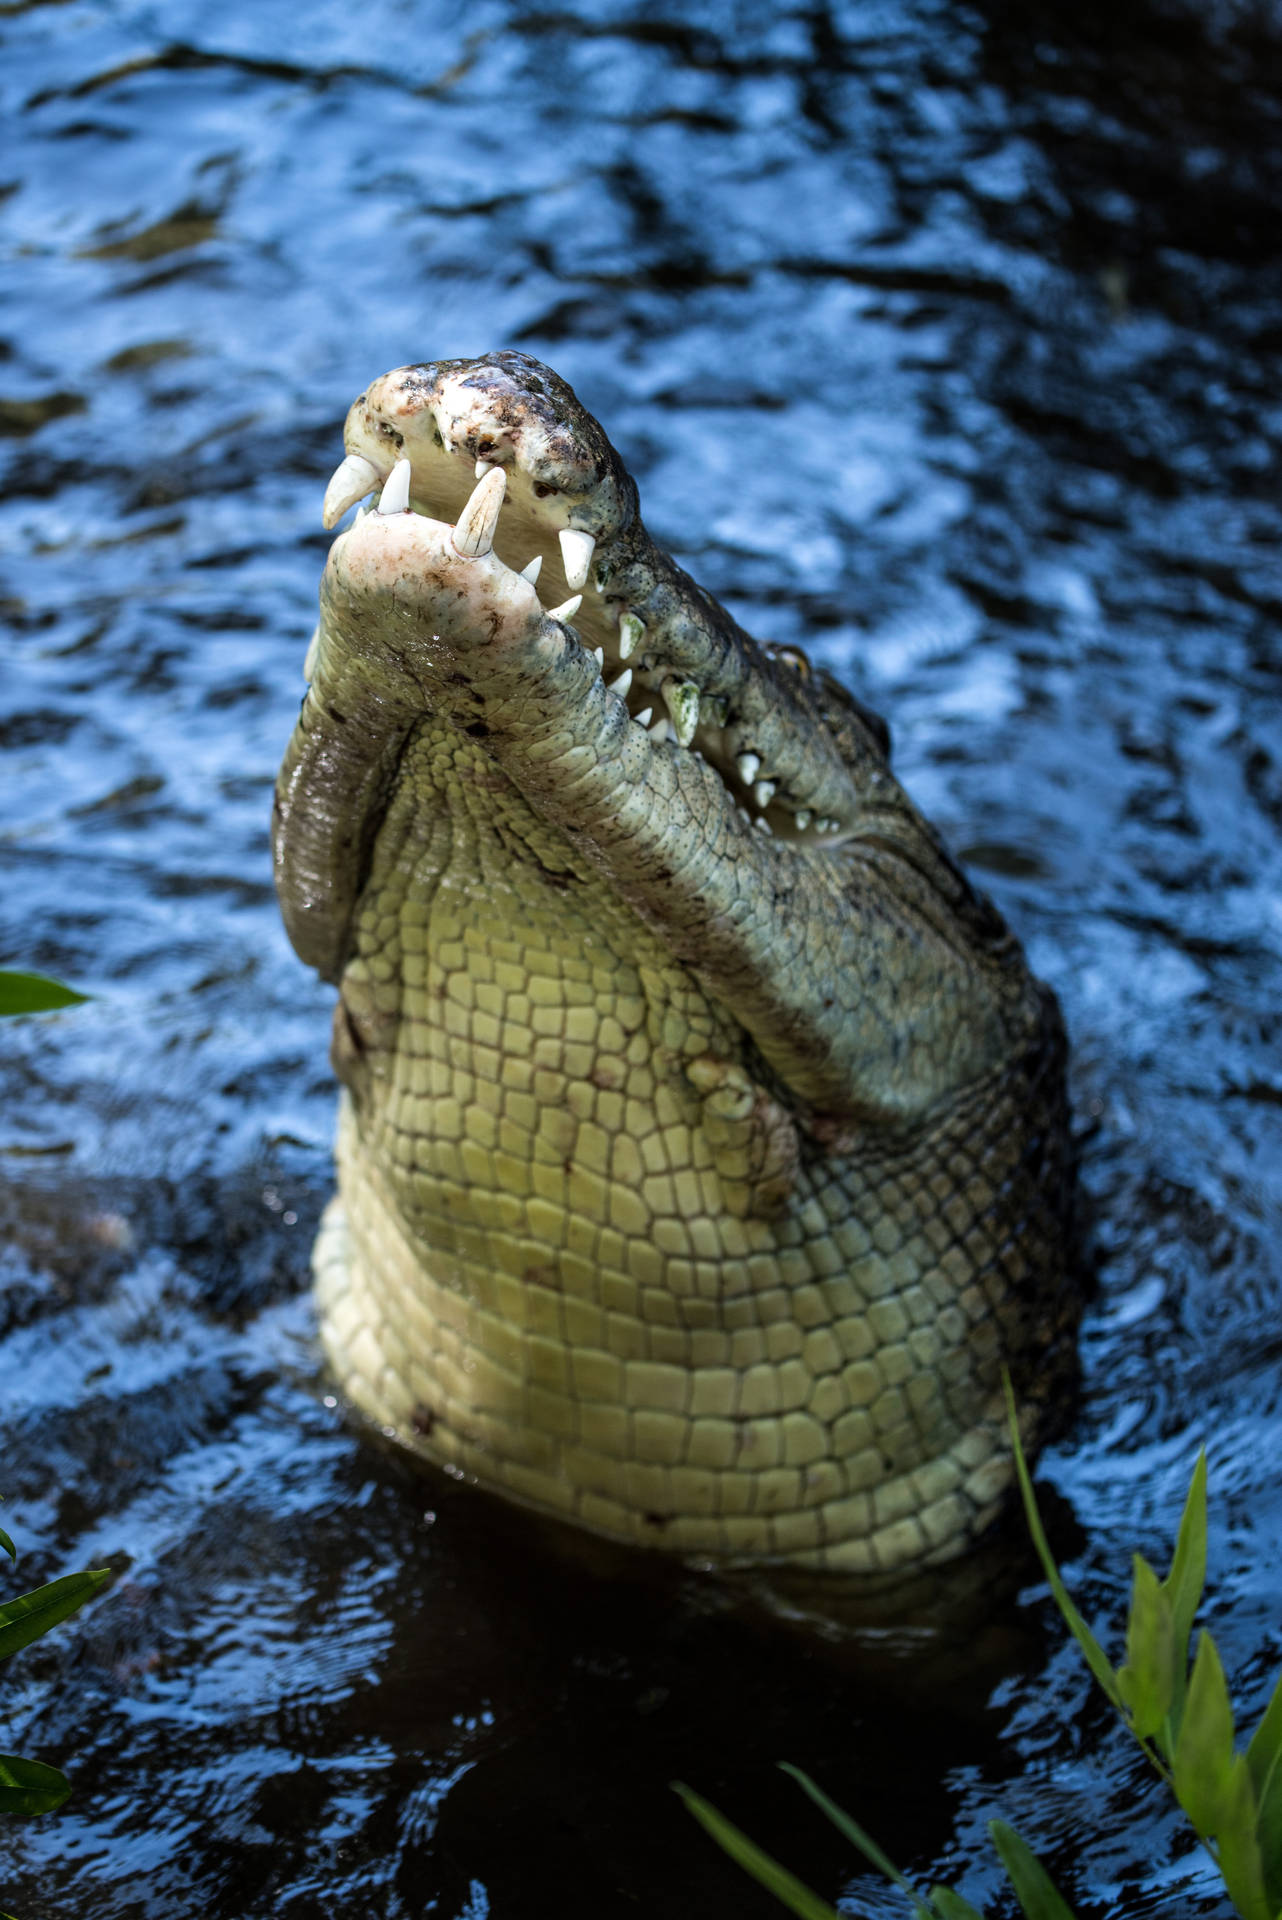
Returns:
(944,339)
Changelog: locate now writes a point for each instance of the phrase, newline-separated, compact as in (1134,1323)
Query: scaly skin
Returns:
(695,1180)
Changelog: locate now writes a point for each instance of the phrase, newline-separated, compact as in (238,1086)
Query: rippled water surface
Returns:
(945,340)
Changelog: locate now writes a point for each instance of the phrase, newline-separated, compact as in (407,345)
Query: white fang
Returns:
(576,551)
(474,534)
(631,630)
(395,497)
(350,481)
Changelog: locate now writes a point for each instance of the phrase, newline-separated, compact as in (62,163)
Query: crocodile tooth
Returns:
(827,826)
(567,608)
(474,534)
(804,818)
(598,654)
(749,765)
(576,551)
(351,480)
(483,467)
(621,685)
(660,731)
(631,630)
(395,497)
(681,698)
(645,716)
(763,825)
(309,660)
(530,571)
(763,793)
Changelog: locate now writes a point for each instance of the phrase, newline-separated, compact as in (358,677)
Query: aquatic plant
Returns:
(1182,1720)
(29,1786)
(34,993)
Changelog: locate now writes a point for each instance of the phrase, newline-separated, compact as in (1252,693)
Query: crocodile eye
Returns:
(541,491)
(793,657)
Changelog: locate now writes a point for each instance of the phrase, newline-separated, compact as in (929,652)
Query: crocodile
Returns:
(703,1154)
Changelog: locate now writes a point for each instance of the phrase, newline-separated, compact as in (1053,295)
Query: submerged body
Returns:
(703,1153)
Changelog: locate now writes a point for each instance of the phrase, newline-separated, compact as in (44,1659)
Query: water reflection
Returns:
(945,341)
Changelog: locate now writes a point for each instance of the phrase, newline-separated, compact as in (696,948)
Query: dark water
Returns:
(944,339)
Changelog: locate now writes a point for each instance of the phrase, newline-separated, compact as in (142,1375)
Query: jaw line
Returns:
(443,480)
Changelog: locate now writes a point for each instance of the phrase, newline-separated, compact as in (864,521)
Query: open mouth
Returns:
(488,495)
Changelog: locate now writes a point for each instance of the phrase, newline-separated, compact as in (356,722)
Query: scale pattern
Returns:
(580,1254)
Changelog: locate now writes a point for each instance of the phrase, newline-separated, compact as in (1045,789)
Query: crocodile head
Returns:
(801,1080)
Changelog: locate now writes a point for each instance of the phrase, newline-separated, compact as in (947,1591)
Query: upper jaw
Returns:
(683,670)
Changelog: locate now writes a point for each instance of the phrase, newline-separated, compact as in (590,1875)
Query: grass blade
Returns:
(1238,1849)
(12,1552)
(857,1837)
(1096,1659)
(1036,1892)
(776,1879)
(950,1906)
(1203,1759)
(35,993)
(1147,1681)
(1264,1758)
(1184,1583)
(31,1614)
(28,1786)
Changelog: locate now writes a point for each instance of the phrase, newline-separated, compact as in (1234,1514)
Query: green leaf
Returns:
(1203,1758)
(1096,1658)
(35,993)
(1147,1681)
(28,1786)
(1034,1889)
(1264,1758)
(950,1906)
(1238,1850)
(1183,1587)
(31,1614)
(12,1552)
(856,1835)
(785,1886)
(1264,1754)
